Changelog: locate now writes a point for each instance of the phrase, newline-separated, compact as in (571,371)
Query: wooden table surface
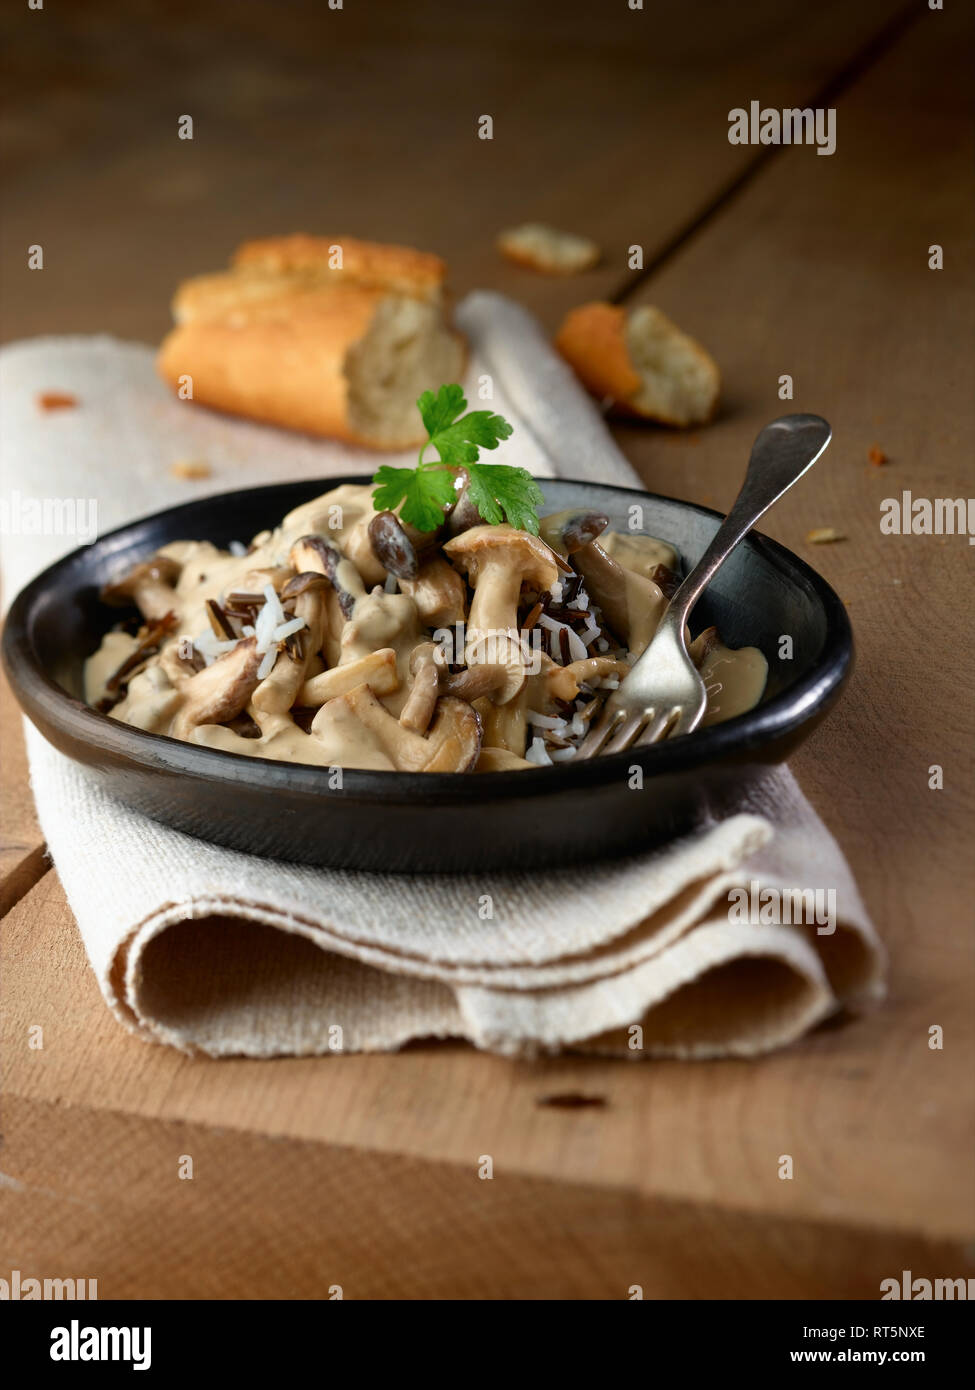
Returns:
(362,1170)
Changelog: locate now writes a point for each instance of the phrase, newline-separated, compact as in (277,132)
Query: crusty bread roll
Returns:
(295,335)
(547,249)
(641,362)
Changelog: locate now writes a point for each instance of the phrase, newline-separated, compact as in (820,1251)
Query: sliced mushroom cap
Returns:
(486,548)
(304,583)
(219,692)
(463,515)
(357,730)
(315,553)
(571,530)
(454,737)
(475,682)
(392,546)
(149,585)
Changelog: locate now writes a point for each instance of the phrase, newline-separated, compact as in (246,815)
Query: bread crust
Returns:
(269,339)
(398,268)
(593,339)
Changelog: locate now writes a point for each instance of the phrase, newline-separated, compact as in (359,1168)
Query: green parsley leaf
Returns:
(424,493)
(457,440)
(497,488)
(440,410)
(498,491)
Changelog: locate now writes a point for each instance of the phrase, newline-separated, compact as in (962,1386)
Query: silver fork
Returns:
(663,695)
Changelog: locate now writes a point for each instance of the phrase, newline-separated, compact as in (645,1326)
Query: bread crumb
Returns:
(877,456)
(547,249)
(823,535)
(191,468)
(57,400)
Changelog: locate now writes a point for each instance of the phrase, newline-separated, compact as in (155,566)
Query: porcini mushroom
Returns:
(498,561)
(149,585)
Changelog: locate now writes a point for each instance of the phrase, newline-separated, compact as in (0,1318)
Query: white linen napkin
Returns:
(210,950)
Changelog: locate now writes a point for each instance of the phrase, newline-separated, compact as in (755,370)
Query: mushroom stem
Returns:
(499,559)
(631,603)
(149,586)
(377,670)
(273,698)
(422,699)
(494,607)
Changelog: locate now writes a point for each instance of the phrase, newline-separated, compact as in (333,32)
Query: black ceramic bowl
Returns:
(417,821)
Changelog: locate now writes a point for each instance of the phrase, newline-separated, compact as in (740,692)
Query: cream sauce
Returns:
(116,648)
(379,621)
(642,554)
(733,678)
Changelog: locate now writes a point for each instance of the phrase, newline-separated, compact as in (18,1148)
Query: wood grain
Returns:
(264,1219)
(817,268)
(820,270)
(296,108)
(607,120)
(22,859)
(877,1135)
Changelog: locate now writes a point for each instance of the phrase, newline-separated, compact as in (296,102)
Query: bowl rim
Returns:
(46,703)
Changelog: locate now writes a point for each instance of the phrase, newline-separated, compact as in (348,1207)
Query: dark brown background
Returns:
(613,123)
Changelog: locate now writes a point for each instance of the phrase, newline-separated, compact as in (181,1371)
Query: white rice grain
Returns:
(538,754)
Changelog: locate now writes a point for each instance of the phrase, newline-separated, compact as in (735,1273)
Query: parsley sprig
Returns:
(498,491)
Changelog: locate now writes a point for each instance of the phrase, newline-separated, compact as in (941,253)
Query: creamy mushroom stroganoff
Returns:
(347,637)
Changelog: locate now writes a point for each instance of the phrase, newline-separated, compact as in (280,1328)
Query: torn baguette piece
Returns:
(298,336)
(547,249)
(641,362)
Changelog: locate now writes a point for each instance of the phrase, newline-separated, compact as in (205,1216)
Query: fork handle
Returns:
(783,451)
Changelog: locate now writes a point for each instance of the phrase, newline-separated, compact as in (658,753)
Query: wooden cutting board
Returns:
(366,1173)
